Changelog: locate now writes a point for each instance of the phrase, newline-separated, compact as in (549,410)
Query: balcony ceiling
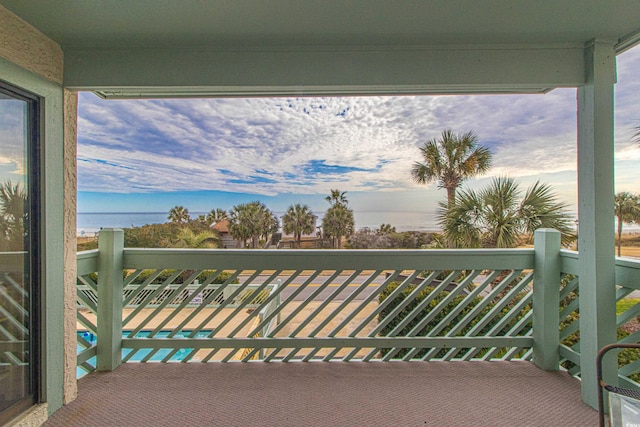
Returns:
(258,23)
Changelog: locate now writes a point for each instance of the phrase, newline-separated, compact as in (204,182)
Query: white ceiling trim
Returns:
(245,92)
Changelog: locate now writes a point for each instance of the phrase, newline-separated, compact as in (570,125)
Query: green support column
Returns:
(546,299)
(110,267)
(595,213)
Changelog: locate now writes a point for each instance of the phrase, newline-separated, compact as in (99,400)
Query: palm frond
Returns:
(497,216)
(540,208)
(463,221)
(450,159)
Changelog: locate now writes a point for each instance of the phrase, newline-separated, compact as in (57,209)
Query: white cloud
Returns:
(267,146)
(12,140)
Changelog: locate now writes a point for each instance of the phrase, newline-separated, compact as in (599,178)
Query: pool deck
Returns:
(327,394)
(151,318)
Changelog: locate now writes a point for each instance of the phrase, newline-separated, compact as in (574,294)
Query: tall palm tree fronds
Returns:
(299,220)
(626,209)
(216,215)
(462,221)
(186,238)
(338,222)
(497,216)
(451,159)
(271,225)
(13,198)
(13,216)
(240,223)
(179,214)
(250,221)
(337,197)
(540,208)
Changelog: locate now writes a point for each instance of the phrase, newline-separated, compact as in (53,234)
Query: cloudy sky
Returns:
(150,155)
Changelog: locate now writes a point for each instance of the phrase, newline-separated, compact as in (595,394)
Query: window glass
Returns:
(18,257)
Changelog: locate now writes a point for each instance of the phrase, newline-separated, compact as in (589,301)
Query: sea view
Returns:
(89,223)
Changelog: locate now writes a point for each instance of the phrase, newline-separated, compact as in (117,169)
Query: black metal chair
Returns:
(633,394)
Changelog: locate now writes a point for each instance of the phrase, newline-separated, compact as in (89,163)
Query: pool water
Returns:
(142,353)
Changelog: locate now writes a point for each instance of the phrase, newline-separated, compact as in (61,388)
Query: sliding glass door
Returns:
(19,251)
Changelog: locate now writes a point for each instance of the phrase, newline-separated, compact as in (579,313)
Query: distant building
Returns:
(222,227)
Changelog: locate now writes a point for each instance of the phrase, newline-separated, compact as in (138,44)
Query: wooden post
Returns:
(110,268)
(595,212)
(546,299)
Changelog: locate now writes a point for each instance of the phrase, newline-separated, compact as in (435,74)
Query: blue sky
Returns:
(150,155)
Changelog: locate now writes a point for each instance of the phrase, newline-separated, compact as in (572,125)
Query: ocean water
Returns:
(89,223)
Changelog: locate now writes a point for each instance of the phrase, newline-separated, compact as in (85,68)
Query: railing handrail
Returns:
(569,261)
(87,262)
(87,254)
(330,304)
(337,259)
(628,273)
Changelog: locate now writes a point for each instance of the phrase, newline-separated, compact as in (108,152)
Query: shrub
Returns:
(145,274)
(259,298)
(367,239)
(399,299)
(87,245)
(162,235)
(625,356)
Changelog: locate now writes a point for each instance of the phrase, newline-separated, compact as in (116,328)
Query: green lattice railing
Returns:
(14,300)
(627,322)
(313,305)
(303,305)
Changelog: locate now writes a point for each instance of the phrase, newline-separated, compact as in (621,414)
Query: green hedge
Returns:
(145,274)
(404,294)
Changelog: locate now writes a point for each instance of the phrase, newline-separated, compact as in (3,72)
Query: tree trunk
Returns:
(619,235)
(451,198)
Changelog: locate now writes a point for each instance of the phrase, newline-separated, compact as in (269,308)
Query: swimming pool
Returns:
(142,353)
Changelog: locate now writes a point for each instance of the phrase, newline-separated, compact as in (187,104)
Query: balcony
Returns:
(489,337)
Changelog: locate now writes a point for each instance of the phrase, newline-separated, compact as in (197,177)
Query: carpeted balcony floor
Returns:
(328,394)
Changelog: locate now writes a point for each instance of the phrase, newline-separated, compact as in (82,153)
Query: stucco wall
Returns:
(34,417)
(25,46)
(70,245)
(33,62)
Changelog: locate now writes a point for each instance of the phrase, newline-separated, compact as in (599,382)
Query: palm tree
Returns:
(186,238)
(250,221)
(451,159)
(338,222)
(626,209)
(385,229)
(179,214)
(216,215)
(299,220)
(337,197)
(497,216)
(240,227)
(271,224)
(13,199)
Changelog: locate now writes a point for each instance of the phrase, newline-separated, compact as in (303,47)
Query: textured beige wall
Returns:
(34,417)
(70,264)
(25,46)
